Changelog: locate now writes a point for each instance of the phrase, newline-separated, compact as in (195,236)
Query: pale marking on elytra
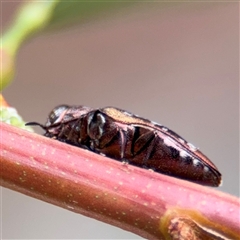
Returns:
(128,113)
(156,124)
(195,162)
(205,169)
(192,147)
(167,141)
(181,140)
(164,129)
(183,154)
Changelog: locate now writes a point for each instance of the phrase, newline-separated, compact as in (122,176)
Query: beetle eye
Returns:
(56,114)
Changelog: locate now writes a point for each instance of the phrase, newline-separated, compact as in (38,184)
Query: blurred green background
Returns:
(174,63)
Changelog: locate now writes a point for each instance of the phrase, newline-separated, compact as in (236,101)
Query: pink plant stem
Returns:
(134,199)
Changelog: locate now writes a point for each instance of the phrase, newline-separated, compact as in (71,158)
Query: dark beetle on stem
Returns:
(123,136)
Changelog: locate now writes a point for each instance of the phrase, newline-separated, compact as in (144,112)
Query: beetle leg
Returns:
(145,141)
(123,142)
(74,133)
(142,141)
(62,133)
(150,148)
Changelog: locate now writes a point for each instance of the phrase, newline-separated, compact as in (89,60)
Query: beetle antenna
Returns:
(35,124)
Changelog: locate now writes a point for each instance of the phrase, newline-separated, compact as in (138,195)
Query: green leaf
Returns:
(10,115)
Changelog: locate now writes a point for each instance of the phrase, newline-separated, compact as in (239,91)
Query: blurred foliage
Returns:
(72,13)
(35,16)
(31,17)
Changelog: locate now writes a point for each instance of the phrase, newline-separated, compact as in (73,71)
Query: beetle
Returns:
(123,136)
